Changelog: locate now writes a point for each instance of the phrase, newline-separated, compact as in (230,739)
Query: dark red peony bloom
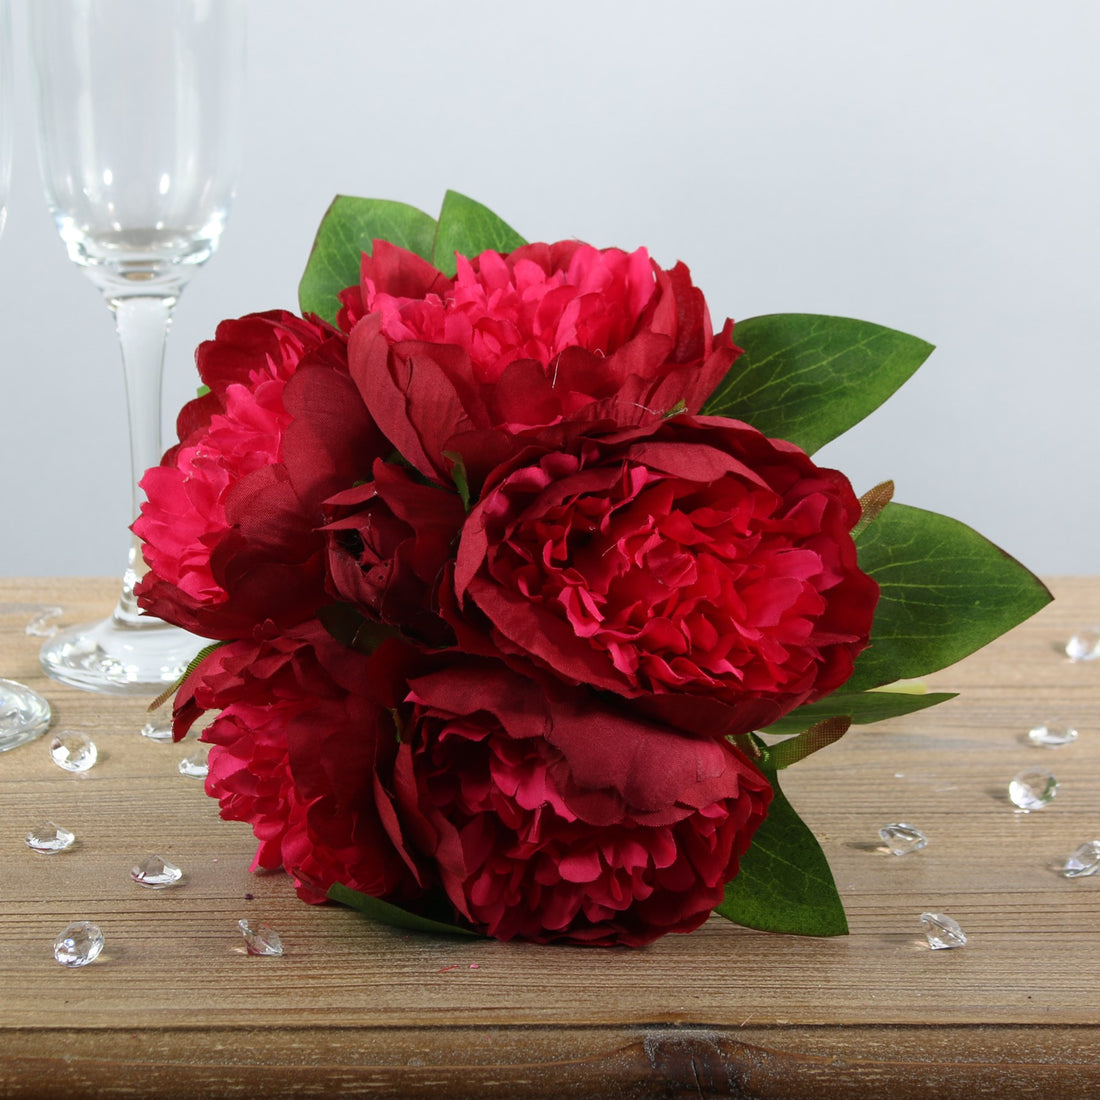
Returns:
(230,523)
(389,542)
(679,564)
(463,370)
(303,741)
(551,817)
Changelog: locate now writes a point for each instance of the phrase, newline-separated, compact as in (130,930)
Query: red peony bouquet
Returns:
(524,587)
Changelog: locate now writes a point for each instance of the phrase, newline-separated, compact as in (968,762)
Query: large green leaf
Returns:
(785,884)
(347,230)
(467,227)
(946,592)
(862,707)
(808,378)
(394,916)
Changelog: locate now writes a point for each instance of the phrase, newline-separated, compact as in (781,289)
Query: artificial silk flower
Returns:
(510,560)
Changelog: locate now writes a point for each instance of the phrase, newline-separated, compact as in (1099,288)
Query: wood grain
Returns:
(175,1007)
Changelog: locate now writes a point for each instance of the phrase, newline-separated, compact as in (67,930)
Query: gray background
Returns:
(928,165)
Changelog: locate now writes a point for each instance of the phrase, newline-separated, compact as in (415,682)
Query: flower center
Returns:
(684,586)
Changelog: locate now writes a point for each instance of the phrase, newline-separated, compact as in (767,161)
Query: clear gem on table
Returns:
(1052,735)
(902,839)
(941,931)
(1082,861)
(158,729)
(73,751)
(260,938)
(1033,789)
(49,838)
(195,765)
(156,873)
(42,625)
(79,944)
(1084,645)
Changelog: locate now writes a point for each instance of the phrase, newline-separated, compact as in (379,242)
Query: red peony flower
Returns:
(304,736)
(459,370)
(551,817)
(230,523)
(389,542)
(680,564)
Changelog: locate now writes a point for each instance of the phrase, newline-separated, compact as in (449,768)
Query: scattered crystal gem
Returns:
(158,729)
(1083,861)
(195,765)
(942,931)
(1084,645)
(902,839)
(1052,735)
(156,873)
(73,751)
(49,837)
(79,944)
(1033,789)
(42,625)
(260,938)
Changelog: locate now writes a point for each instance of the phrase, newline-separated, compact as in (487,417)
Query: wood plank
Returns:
(175,999)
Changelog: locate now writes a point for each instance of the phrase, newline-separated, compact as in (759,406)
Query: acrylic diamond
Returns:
(260,938)
(48,838)
(43,625)
(1083,861)
(156,873)
(73,751)
(941,931)
(158,730)
(1052,735)
(1032,789)
(79,944)
(902,839)
(1084,645)
(195,766)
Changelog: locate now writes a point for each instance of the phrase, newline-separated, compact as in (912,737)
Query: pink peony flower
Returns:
(304,732)
(230,524)
(465,370)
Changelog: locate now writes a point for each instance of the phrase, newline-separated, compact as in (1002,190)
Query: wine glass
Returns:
(138,109)
(24,714)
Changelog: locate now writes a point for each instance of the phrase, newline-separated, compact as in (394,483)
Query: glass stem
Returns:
(142,324)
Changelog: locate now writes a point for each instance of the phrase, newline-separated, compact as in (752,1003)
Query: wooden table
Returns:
(175,1007)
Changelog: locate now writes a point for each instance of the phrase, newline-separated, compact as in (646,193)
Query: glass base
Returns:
(24,715)
(119,657)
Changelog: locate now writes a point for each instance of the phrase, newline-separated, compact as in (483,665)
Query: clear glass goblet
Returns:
(139,105)
(24,714)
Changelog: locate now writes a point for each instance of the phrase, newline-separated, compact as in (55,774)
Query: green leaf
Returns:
(946,591)
(459,476)
(394,916)
(468,228)
(808,378)
(349,227)
(863,707)
(785,884)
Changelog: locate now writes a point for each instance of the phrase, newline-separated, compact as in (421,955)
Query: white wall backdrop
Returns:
(931,165)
